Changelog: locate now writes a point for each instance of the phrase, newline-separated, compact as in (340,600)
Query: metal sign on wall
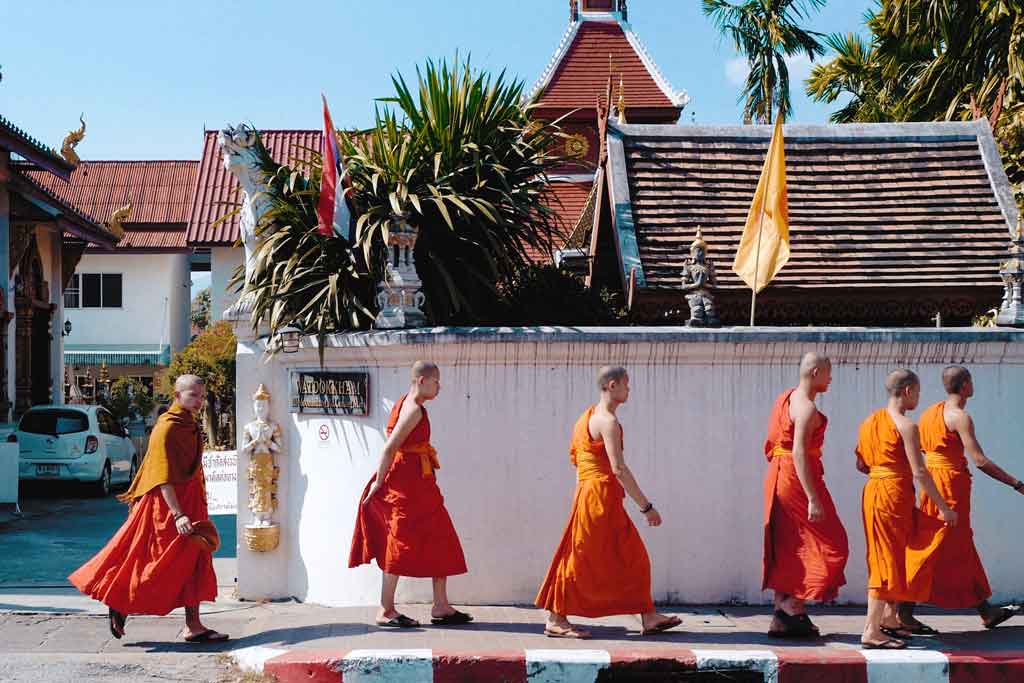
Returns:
(329,392)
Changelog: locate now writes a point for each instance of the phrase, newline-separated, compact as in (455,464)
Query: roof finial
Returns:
(623,10)
(574,11)
(71,141)
(621,106)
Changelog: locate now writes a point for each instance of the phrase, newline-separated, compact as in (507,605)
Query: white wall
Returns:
(694,427)
(223,262)
(154,287)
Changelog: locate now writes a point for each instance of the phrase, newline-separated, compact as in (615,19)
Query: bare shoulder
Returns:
(958,418)
(801,408)
(603,423)
(904,424)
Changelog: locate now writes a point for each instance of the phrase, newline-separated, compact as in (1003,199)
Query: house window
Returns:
(72,291)
(101,290)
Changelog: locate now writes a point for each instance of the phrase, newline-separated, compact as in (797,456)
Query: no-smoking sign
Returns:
(324,432)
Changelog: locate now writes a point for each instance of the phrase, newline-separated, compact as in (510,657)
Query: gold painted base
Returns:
(262,539)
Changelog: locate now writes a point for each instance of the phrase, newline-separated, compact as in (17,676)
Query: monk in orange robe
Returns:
(953,576)
(402,522)
(889,452)
(601,566)
(161,557)
(805,544)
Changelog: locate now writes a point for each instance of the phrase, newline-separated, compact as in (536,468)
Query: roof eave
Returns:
(20,143)
(67,218)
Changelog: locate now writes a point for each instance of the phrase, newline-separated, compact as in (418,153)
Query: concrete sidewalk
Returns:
(311,643)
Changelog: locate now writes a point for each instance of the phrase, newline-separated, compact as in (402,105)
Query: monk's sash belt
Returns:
(427,455)
(779,451)
(945,462)
(879,472)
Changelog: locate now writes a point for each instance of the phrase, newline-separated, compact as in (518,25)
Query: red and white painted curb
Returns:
(790,665)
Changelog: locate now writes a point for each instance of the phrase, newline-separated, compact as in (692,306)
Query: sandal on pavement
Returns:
(573,632)
(401,621)
(1004,614)
(456,618)
(885,645)
(116,621)
(671,622)
(793,626)
(207,636)
(900,632)
(918,629)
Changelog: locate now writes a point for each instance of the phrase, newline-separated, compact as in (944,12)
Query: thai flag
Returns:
(333,212)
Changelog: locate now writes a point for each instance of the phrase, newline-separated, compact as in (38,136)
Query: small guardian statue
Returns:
(699,282)
(261,442)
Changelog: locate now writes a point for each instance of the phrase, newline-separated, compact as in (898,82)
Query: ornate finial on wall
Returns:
(71,140)
(116,223)
(623,10)
(574,11)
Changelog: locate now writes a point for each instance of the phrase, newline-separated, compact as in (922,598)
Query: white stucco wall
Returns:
(223,262)
(694,428)
(155,301)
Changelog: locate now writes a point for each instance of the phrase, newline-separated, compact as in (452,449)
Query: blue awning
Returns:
(117,354)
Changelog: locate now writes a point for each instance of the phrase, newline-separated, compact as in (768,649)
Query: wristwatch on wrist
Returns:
(179,515)
(645,510)
(1018,485)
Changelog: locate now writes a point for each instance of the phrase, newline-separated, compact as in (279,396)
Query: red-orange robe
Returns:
(952,576)
(148,567)
(406,527)
(601,566)
(897,536)
(801,558)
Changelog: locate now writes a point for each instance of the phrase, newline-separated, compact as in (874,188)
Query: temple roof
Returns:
(217,191)
(24,145)
(871,205)
(592,47)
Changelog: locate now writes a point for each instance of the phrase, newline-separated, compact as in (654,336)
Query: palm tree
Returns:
(854,71)
(766,32)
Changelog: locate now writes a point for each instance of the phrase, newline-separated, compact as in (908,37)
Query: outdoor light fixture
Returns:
(289,338)
(67,328)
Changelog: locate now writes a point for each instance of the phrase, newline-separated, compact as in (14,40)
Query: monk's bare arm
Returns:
(964,425)
(922,477)
(408,418)
(802,414)
(181,520)
(611,434)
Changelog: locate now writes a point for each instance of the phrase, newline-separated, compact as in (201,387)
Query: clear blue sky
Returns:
(150,75)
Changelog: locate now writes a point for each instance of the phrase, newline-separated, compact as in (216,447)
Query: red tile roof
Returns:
(579,71)
(217,190)
(567,200)
(79,224)
(160,191)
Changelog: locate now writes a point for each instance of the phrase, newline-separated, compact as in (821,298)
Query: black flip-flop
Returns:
(207,636)
(885,645)
(901,633)
(794,626)
(401,621)
(456,618)
(116,621)
(1004,614)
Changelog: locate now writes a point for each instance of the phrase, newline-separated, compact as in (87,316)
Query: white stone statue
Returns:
(237,144)
(261,442)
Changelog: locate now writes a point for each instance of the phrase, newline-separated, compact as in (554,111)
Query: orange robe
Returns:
(952,576)
(405,527)
(801,558)
(601,565)
(897,536)
(148,567)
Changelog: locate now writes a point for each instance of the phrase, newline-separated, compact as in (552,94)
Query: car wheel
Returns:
(102,486)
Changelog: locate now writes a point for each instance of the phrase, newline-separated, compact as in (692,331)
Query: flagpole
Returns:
(760,227)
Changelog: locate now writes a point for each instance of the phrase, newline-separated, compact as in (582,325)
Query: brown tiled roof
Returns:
(217,190)
(876,205)
(567,200)
(79,224)
(579,71)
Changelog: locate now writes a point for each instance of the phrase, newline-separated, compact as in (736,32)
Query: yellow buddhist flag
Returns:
(764,247)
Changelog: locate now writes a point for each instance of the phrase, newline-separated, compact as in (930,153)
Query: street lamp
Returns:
(289,337)
(67,328)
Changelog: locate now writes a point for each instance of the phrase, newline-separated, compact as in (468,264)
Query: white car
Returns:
(75,443)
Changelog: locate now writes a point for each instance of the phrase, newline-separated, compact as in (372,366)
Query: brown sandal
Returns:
(573,632)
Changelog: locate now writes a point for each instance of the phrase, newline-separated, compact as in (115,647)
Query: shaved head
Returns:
(424,368)
(899,380)
(609,374)
(813,361)
(954,378)
(186,382)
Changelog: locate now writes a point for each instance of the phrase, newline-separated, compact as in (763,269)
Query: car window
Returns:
(54,422)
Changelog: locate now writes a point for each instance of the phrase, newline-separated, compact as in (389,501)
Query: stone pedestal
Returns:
(400,300)
(1011,312)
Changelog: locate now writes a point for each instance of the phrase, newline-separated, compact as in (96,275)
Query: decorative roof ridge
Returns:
(679,98)
(32,141)
(904,130)
(86,162)
(556,59)
(215,131)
